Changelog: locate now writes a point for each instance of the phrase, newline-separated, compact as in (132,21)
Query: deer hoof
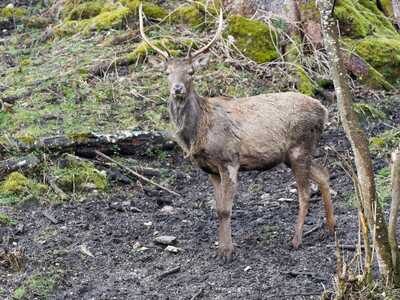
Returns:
(225,254)
(296,242)
(331,226)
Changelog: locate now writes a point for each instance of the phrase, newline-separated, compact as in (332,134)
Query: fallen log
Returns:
(85,144)
(23,163)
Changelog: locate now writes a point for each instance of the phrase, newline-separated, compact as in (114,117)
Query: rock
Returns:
(266,196)
(248,268)
(168,209)
(173,249)
(165,240)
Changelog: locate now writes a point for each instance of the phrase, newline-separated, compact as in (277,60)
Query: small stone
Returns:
(165,239)
(168,209)
(148,224)
(266,196)
(173,249)
(285,200)
(293,191)
(248,268)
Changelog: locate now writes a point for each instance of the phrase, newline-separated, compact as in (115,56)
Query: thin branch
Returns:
(136,173)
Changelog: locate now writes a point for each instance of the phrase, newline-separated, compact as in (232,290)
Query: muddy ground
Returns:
(103,248)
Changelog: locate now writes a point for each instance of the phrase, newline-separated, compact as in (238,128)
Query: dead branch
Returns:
(169,272)
(136,173)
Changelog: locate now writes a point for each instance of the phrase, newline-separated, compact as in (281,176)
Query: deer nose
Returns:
(178,88)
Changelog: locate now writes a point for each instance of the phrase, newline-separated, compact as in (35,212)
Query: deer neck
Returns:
(189,117)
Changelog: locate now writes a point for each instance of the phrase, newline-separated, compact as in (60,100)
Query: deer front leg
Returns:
(224,199)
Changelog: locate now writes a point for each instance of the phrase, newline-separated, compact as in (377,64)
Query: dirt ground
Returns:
(103,248)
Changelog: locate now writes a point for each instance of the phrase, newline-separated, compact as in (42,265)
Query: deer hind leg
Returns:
(300,163)
(320,175)
(225,187)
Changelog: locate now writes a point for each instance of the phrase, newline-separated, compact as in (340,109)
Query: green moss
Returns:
(79,173)
(187,15)
(6,219)
(387,7)
(383,54)
(253,38)
(150,10)
(304,84)
(209,6)
(26,139)
(142,49)
(79,137)
(84,10)
(10,12)
(16,185)
(36,22)
(103,21)
(358,19)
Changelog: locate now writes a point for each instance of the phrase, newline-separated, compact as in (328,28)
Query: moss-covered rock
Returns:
(17,183)
(103,21)
(84,10)
(187,15)
(359,19)
(383,54)
(253,38)
(77,174)
(36,21)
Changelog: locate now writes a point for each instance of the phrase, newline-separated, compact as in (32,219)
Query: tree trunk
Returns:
(394,210)
(358,141)
(396,12)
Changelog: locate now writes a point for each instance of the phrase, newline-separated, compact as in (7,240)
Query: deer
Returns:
(224,136)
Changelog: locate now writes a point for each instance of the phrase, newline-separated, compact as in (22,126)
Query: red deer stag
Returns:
(224,136)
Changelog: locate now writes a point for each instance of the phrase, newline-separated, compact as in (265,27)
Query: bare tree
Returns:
(359,143)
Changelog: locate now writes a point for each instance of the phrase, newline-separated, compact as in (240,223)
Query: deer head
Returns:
(180,70)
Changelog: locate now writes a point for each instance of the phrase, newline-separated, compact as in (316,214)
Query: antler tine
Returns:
(217,34)
(161,52)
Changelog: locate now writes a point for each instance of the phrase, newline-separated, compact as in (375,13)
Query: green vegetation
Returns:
(359,19)
(16,188)
(385,142)
(304,84)
(254,39)
(368,112)
(383,186)
(381,53)
(6,220)
(37,286)
(187,15)
(78,175)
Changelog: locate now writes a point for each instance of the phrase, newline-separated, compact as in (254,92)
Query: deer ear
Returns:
(158,63)
(201,61)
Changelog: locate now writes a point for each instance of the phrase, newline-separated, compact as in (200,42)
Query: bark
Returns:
(396,12)
(358,141)
(394,211)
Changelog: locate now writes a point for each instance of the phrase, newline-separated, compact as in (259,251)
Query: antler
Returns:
(217,34)
(159,51)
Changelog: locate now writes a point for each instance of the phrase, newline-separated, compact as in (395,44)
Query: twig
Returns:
(169,272)
(50,217)
(319,226)
(198,294)
(136,174)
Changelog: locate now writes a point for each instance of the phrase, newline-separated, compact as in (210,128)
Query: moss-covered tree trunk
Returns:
(358,141)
